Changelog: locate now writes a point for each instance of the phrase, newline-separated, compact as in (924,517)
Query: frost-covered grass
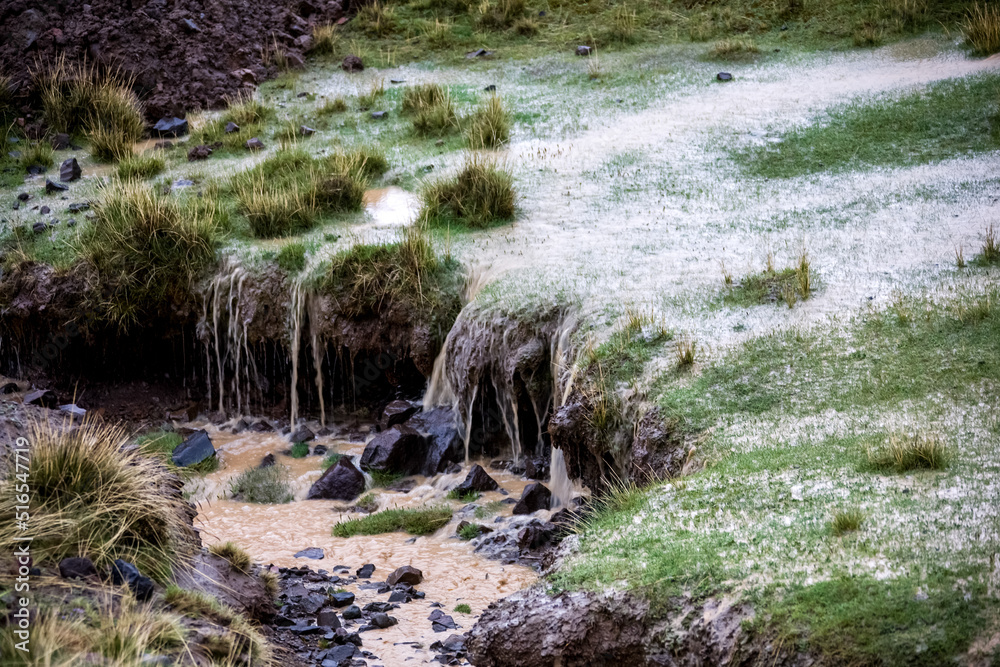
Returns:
(803,507)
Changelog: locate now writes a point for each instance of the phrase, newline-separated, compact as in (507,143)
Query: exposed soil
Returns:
(185,54)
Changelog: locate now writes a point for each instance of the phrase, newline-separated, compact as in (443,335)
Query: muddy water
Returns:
(391,206)
(453,574)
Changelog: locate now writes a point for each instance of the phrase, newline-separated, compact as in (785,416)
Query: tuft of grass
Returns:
(332,105)
(623,24)
(770,285)
(945,119)
(734,47)
(499,14)
(271,583)
(376,19)
(902,453)
(147,249)
(489,126)
(139,167)
(246,110)
(463,608)
(846,521)
(686,351)
(299,450)
(960,257)
(439,34)
(91,496)
(292,257)
(383,478)
(413,521)
(868,34)
(326,39)
(463,496)
(81,99)
(263,485)
(161,443)
(982,28)
(369,278)
(469,531)
(370,97)
(232,552)
(525,27)
(488,510)
(437,120)
(330,460)
(990,252)
(481,195)
(423,96)
(37,154)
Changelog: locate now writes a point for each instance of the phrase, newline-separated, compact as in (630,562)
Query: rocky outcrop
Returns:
(444,444)
(185,55)
(342,481)
(398,450)
(571,629)
(215,576)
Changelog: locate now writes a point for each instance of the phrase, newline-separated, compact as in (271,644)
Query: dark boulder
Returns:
(724,76)
(328,619)
(444,443)
(77,568)
(534,497)
(383,621)
(315,553)
(52,187)
(267,461)
(478,480)
(60,142)
(396,412)
(232,128)
(441,621)
(342,599)
(353,612)
(365,571)
(170,127)
(339,656)
(70,170)
(400,449)
(196,448)
(352,64)
(536,535)
(379,115)
(45,398)
(39,227)
(125,573)
(303,434)
(405,575)
(583,50)
(254,144)
(341,481)
(306,131)
(201,152)
(537,469)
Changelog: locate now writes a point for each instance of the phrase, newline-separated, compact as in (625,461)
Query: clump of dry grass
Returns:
(623,24)
(982,28)
(374,93)
(423,96)
(499,14)
(81,99)
(686,351)
(325,40)
(734,47)
(902,453)
(489,126)
(332,106)
(480,195)
(990,253)
(376,19)
(232,552)
(93,497)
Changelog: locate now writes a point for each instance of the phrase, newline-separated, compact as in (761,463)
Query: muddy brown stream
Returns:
(272,534)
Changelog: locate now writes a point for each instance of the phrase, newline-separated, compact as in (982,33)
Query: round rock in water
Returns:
(405,575)
(724,76)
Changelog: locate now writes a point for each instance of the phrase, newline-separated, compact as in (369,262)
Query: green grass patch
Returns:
(469,531)
(263,485)
(383,478)
(463,496)
(299,450)
(292,257)
(37,154)
(904,453)
(861,621)
(847,521)
(140,167)
(944,120)
(330,460)
(489,509)
(463,608)
(367,502)
(412,521)
(232,552)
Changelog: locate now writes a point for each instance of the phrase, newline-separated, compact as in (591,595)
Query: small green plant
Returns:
(463,496)
(37,154)
(384,478)
(469,531)
(489,509)
(246,110)
(330,460)
(423,96)
(623,24)
(232,552)
(140,167)
(263,485)
(439,35)
(370,97)
(299,450)
(110,144)
(982,28)
(960,256)
(847,521)
(292,259)
(902,453)
(367,502)
(482,194)
(463,608)
(990,253)
(489,126)
(413,521)
(436,120)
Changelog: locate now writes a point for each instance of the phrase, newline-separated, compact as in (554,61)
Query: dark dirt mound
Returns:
(185,54)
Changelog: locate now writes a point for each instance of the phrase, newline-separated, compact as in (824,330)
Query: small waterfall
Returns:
(468,424)
(559,482)
(223,328)
(438,389)
(317,354)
